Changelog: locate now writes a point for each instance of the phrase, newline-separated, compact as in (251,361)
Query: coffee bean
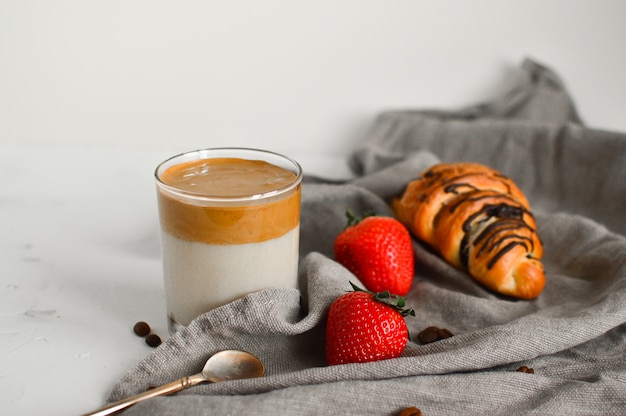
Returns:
(524,369)
(410,411)
(153,340)
(141,328)
(428,335)
(444,333)
(432,334)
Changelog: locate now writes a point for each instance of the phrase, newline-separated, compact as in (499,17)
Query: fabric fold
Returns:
(573,335)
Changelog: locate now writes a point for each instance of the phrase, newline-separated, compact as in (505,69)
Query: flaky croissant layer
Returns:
(478,220)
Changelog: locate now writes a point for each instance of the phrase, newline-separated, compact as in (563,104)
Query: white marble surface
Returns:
(79,265)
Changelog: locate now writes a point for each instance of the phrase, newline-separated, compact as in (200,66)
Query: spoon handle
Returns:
(165,389)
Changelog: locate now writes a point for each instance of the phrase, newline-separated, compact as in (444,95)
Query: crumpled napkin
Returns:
(573,335)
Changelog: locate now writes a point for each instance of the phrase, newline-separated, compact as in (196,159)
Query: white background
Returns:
(93,94)
(288,75)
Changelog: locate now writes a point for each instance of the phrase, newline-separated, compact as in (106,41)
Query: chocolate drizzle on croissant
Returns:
(478,220)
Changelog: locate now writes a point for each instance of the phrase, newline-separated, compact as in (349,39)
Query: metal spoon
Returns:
(222,366)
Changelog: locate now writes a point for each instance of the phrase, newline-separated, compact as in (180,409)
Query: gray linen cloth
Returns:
(573,335)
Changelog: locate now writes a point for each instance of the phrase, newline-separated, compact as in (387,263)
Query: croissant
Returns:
(478,220)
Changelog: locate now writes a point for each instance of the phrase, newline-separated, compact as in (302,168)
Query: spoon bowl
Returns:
(232,365)
(221,366)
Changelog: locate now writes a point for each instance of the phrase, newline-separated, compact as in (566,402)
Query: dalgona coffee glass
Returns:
(230,225)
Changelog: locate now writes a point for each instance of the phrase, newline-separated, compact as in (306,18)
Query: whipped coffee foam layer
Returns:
(227,177)
(202,212)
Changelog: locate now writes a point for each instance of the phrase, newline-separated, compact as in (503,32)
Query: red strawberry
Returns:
(364,326)
(379,251)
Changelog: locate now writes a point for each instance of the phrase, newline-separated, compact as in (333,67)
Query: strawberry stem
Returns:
(395,301)
(353,219)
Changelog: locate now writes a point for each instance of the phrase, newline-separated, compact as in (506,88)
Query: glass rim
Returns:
(208,154)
